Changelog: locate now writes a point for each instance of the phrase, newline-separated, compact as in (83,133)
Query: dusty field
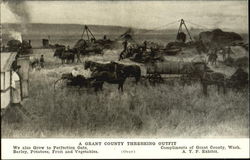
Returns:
(166,110)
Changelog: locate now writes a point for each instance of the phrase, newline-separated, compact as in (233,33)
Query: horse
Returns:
(193,71)
(34,62)
(110,77)
(213,78)
(98,66)
(65,55)
(239,80)
(59,50)
(129,70)
(68,56)
(200,71)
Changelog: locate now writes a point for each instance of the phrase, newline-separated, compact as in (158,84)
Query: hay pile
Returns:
(219,38)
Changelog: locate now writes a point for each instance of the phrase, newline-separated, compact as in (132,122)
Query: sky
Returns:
(139,14)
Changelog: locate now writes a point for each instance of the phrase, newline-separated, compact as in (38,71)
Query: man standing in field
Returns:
(42,61)
(145,46)
(78,56)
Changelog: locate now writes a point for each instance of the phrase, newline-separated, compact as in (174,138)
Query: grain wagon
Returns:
(185,71)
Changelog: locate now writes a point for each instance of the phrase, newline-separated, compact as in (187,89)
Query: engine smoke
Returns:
(15,35)
(20,9)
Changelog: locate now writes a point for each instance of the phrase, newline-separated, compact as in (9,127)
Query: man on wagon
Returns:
(67,48)
(123,53)
(75,74)
(212,57)
(229,51)
(125,45)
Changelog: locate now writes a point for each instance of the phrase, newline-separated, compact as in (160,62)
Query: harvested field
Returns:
(164,110)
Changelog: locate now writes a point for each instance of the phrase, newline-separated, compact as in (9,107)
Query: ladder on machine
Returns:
(182,23)
(88,33)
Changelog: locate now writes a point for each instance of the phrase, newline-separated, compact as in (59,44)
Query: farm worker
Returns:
(215,56)
(122,54)
(75,75)
(229,51)
(152,52)
(145,45)
(92,39)
(78,56)
(125,44)
(68,48)
(15,85)
(42,61)
(223,52)
(75,72)
(130,51)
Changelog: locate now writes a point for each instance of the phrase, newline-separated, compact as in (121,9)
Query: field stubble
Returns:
(140,111)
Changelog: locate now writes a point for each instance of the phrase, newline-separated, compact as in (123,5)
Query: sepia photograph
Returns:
(124,69)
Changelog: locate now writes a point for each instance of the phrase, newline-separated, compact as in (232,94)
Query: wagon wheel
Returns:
(186,79)
(150,79)
(159,78)
(60,83)
(155,78)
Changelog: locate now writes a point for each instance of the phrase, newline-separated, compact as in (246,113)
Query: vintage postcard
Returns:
(124,79)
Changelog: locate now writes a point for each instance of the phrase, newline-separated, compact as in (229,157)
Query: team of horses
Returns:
(207,77)
(68,55)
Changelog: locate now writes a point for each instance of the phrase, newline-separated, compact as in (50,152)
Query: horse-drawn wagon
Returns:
(67,80)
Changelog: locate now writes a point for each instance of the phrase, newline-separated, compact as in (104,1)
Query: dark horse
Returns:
(105,73)
(129,70)
(110,77)
(65,55)
(239,80)
(213,78)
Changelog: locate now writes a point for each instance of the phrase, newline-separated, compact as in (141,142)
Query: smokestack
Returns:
(29,42)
